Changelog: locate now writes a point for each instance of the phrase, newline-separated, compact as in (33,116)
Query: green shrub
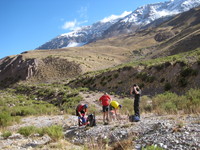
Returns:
(145,104)
(170,107)
(193,101)
(6,134)
(183,82)
(116,75)
(23,111)
(152,147)
(70,104)
(172,103)
(93,109)
(167,86)
(142,75)
(164,103)
(28,130)
(127,106)
(103,78)
(83,89)
(5,119)
(188,71)
(55,132)
(145,77)
(150,79)
(103,83)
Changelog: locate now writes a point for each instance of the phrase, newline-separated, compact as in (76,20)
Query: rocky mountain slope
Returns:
(179,34)
(138,19)
(16,68)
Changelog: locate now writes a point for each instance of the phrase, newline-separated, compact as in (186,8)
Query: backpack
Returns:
(134,118)
(91,120)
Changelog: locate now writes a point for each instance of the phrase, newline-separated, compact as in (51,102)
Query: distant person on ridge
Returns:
(81,111)
(114,110)
(105,101)
(137,93)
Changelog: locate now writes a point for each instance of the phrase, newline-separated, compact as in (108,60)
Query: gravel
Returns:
(168,132)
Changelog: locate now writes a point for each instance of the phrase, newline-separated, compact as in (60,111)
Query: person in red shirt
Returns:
(105,101)
(81,111)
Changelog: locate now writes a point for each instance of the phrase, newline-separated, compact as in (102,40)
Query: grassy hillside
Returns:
(176,73)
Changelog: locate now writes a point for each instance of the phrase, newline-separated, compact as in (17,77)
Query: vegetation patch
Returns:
(55,131)
(6,134)
(171,103)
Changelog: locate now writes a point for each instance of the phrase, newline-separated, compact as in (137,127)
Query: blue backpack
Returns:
(134,118)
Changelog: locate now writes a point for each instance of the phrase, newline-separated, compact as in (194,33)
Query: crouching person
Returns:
(81,111)
(114,110)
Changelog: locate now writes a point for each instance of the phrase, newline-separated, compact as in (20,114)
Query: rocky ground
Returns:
(174,132)
(168,132)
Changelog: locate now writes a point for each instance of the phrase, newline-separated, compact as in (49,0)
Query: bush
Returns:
(183,82)
(6,134)
(172,103)
(5,119)
(116,75)
(127,106)
(167,86)
(170,107)
(187,72)
(145,104)
(193,101)
(92,109)
(55,132)
(165,103)
(23,111)
(28,130)
(70,104)
(152,147)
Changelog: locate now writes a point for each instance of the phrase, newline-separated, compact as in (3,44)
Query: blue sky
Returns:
(27,24)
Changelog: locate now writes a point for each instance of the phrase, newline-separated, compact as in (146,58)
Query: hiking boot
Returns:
(105,123)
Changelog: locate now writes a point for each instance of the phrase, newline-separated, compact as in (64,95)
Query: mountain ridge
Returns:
(139,18)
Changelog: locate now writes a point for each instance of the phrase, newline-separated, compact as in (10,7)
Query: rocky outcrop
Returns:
(161,36)
(13,69)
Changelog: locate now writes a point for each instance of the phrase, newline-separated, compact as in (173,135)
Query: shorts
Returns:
(105,108)
(111,107)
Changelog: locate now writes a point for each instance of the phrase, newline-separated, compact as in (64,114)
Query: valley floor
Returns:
(168,132)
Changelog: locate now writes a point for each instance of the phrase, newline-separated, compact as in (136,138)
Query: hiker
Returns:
(114,108)
(137,92)
(81,111)
(105,101)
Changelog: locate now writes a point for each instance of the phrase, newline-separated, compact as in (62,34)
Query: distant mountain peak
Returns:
(112,25)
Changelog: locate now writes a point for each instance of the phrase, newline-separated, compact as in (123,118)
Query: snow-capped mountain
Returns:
(139,18)
(148,13)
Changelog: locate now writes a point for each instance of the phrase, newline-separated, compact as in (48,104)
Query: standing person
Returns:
(114,110)
(81,111)
(105,101)
(137,92)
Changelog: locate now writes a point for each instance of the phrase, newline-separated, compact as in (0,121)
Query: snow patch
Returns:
(114,17)
(74,44)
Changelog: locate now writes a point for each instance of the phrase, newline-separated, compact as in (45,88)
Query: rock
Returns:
(16,136)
